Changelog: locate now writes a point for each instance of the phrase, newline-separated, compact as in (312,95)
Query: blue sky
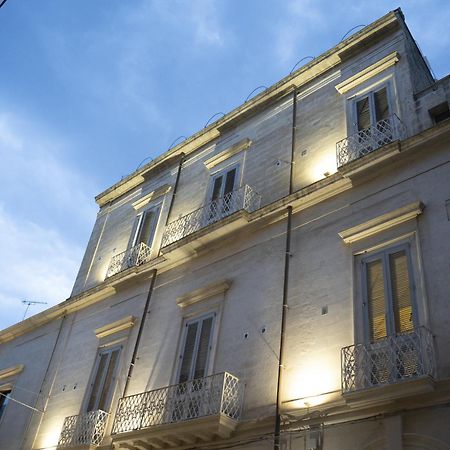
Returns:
(88,89)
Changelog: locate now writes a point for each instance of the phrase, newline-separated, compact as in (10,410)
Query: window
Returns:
(195,351)
(371,108)
(440,113)
(144,227)
(4,399)
(388,293)
(223,198)
(103,380)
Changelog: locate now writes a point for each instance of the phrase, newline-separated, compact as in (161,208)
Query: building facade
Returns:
(278,280)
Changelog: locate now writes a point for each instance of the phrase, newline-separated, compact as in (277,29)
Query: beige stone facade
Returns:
(296,249)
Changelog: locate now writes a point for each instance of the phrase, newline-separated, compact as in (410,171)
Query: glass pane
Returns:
(376,300)
(203,349)
(401,292)
(188,353)
(96,386)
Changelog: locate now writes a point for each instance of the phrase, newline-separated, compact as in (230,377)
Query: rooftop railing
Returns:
(83,429)
(134,256)
(390,360)
(369,139)
(213,395)
(243,198)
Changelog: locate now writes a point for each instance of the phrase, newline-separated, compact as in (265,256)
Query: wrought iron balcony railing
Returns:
(390,360)
(242,198)
(209,396)
(134,256)
(369,139)
(83,429)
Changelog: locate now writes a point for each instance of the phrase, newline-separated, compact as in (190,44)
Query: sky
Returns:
(90,89)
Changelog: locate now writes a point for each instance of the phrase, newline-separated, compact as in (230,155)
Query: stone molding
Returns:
(244,144)
(146,199)
(11,371)
(203,293)
(115,327)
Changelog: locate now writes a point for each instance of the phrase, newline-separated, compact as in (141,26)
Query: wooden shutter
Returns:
(401,292)
(103,383)
(217,188)
(363,113)
(203,348)
(229,181)
(381,104)
(135,231)
(108,384)
(376,300)
(188,352)
(98,381)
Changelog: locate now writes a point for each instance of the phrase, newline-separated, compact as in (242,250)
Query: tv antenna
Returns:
(29,303)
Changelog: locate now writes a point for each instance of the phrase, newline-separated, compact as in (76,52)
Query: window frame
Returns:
(4,401)
(184,332)
(222,172)
(370,93)
(136,229)
(383,255)
(100,351)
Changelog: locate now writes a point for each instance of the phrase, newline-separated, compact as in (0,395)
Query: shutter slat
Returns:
(376,300)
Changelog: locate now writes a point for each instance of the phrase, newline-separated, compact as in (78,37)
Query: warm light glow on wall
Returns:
(324,166)
(310,382)
(50,439)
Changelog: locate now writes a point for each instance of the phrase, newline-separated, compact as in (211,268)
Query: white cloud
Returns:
(36,264)
(46,206)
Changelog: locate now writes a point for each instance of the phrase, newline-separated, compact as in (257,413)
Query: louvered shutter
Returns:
(381,105)
(401,292)
(98,381)
(376,300)
(135,231)
(203,348)
(108,383)
(363,113)
(229,181)
(188,352)
(217,188)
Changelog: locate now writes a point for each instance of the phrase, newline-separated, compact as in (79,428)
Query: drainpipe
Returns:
(150,290)
(287,255)
(139,335)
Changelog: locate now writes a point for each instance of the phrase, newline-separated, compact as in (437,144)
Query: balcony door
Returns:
(221,197)
(103,380)
(371,108)
(189,399)
(389,313)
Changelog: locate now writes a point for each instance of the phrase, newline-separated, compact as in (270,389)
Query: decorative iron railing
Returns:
(213,395)
(369,139)
(389,360)
(83,429)
(134,256)
(242,198)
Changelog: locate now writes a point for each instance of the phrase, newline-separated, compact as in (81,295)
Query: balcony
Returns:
(402,364)
(369,139)
(194,411)
(244,198)
(83,430)
(133,257)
